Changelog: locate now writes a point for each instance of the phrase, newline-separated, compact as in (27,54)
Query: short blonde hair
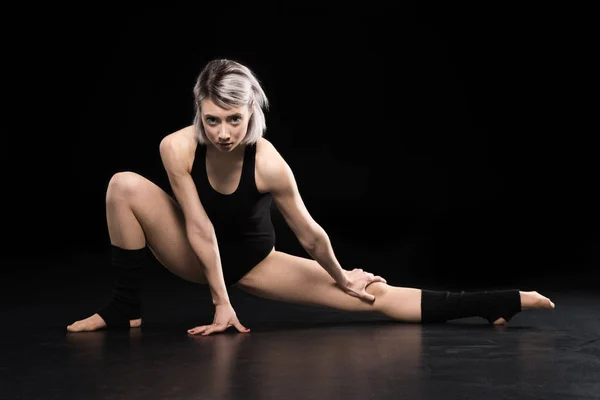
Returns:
(230,84)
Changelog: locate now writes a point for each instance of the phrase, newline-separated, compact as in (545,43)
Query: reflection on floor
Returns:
(293,352)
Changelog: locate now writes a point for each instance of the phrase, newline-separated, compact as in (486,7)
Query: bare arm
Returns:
(176,155)
(310,234)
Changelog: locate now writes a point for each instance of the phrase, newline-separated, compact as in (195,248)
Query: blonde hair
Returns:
(230,84)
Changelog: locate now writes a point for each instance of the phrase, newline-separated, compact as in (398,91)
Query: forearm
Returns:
(206,248)
(320,250)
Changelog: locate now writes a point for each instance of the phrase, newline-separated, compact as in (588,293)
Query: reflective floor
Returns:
(293,352)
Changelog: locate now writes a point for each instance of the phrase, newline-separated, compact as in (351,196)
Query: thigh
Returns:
(163,224)
(293,279)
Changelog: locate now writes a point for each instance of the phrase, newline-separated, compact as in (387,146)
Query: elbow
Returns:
(311,242)
(200,231)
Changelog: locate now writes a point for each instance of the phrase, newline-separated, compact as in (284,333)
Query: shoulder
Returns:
(177,149)
(272,171)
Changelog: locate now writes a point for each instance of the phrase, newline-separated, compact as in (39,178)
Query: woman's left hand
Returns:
(357,282)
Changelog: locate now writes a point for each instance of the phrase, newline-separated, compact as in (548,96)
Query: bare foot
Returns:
(96,322)
(530,300)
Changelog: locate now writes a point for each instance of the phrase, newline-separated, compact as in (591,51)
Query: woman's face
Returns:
(224,128)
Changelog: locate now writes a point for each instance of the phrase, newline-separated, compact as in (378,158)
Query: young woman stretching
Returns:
(217,230)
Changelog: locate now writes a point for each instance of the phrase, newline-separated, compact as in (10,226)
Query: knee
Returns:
(123,185)
(377,288)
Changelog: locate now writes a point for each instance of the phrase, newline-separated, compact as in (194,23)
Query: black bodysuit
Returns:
(242,220)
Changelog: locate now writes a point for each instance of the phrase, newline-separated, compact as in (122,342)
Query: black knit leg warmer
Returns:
(125,303)
(442,306)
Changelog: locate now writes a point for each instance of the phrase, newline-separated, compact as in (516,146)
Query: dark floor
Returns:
(293,352)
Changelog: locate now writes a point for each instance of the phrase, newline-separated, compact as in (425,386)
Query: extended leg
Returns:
(288,278)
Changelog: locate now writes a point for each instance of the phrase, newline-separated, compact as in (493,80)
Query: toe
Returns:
(135,323)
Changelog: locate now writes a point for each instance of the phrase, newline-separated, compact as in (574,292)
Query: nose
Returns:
(223,135)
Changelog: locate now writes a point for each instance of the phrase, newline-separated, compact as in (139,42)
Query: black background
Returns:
(434,146)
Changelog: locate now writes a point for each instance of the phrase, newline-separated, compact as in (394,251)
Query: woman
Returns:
(217,231)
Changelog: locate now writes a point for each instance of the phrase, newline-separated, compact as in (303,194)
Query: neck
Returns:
(222,156)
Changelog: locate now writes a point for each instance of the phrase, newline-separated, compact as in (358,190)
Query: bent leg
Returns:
(140,213)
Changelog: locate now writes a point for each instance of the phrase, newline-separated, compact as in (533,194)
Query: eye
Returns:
(211,120)
(236,119)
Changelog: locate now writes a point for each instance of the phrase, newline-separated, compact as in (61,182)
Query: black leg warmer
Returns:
(125,303)
(442,306)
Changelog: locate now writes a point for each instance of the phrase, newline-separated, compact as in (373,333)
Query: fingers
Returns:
(214,328)
(368,297)
(373,278)
(241,328)
(197,330)
(364,295)
(206,330)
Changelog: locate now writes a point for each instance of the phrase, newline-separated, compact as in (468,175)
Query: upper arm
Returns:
(286,196)
(176,155)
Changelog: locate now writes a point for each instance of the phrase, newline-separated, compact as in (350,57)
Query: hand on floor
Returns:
(224,318)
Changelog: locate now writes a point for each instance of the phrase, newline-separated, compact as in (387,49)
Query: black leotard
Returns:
(242,220)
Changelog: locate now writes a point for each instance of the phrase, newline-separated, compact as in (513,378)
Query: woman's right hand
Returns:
(225,317)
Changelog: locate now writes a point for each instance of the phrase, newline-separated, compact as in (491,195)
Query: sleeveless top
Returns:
(242,219)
